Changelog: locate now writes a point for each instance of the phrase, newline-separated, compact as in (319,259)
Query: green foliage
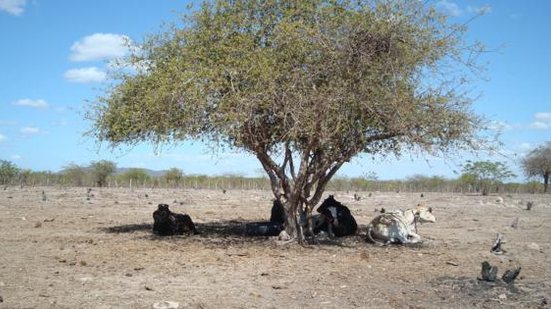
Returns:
(173,176)
(485,174)
(8,172)
(76,175)
(25,176)
(136,176)
(101,170)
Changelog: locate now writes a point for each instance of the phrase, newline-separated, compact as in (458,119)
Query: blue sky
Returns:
(54,55)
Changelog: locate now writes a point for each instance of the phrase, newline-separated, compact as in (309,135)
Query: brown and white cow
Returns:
(399,227)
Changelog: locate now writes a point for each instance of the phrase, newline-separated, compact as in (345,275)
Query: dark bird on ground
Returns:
(488,272)
(510,275)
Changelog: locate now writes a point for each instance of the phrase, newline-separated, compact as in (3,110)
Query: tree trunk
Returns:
(485,190)
(294,225)
(545,182)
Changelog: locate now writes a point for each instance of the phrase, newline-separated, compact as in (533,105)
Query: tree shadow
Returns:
(217,229)
(127,228)
(227,232)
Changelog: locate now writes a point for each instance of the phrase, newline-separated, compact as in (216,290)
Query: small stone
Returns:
(166,305)
(283,236)
(499,200)
(502,296)
(534,246)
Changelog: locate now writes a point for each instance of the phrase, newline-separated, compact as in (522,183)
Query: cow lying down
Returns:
(268,228)
(334,218)
(399,227)
(168,223)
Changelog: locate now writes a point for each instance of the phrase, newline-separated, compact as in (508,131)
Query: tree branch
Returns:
(277,177)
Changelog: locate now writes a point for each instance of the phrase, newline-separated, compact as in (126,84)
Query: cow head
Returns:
(424,214)
(163,207)
(329,209)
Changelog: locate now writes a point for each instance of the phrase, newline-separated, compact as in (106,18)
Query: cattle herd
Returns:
(333,219)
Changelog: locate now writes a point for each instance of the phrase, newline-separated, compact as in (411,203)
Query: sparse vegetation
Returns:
(101,170)
(8,172)
(76,174)
(485,175)
(176,178)
(135,177)
(538,164)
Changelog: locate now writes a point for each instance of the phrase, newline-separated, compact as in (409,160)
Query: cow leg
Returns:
(330,230)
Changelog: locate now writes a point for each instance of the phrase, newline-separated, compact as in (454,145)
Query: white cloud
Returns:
(85,75)
(545,117)
(16,157)
(2,137)
(485,9)
(30,130)
(99,46)
(540,125)
(449,7)
(39,103)
(14,7)
(542,121)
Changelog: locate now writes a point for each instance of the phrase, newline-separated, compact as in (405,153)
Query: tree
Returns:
(136,176)
(537,163)
(24,176)
(75,173)
(485,174)
(101,170)
(304,86)
(8,172)
(174,176)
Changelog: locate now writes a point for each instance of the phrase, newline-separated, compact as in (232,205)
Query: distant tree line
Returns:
(481,177)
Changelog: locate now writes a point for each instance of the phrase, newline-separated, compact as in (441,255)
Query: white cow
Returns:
(399,226)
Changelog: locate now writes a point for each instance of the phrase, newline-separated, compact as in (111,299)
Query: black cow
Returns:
(168,223)
(269,228)
(337,219)
(278,213)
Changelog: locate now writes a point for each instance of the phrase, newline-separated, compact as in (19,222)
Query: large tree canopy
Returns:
(537,163)
(303,85)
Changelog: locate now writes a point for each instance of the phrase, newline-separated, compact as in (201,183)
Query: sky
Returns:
(54,56)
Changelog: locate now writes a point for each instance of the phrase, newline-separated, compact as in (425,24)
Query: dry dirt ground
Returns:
(68,251)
